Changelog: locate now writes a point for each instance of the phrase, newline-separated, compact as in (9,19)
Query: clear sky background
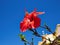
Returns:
(12,13)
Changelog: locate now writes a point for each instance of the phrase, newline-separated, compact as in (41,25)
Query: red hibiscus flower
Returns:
(30,21)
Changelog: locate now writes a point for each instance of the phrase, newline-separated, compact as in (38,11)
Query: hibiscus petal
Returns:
(23,26)
(37,22)
(39,13)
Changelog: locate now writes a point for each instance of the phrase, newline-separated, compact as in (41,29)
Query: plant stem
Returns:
(32,42)
(25,43)
(48,29)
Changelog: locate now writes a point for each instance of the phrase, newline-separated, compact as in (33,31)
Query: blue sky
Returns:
(12,13)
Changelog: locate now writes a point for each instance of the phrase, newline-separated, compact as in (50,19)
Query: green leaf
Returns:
(22,37)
